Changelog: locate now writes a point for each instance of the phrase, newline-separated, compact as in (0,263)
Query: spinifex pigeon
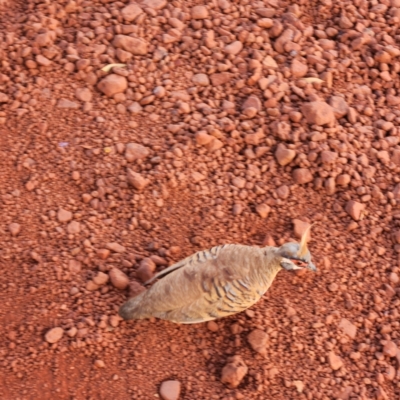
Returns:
(215,283)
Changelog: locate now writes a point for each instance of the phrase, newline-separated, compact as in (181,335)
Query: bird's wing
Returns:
(207,285)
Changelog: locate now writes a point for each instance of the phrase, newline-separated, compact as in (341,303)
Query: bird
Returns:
(215,283)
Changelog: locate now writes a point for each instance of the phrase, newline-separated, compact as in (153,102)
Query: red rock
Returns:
(199,12)
(73,227)
(112,84)
(258,341)
(54,335)
(301,176)
(335,361)
(100,279)
(201,80)
(328,157)
(234,48)
(170,390)
(234,371)
(212,326)
(299,227)
(355,209)
(130,12)
(115,247)
(263,210)
(339,105)
(136,180)
(84,94)
(14,228)
(298,69)
(64,215)
(348,328)
(318,113)
(135,151)
(218,79)
(133,45)
(118,279)
(283,155)
(390,349)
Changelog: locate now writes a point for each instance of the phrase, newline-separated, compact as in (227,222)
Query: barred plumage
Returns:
(215,283)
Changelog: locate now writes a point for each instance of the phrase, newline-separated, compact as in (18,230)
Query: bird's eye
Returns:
(299,263)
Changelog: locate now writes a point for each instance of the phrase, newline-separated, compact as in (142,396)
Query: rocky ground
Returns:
(222,122)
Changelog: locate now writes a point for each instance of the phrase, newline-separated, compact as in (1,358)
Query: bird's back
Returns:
(209,284)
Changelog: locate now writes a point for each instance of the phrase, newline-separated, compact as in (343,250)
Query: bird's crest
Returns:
(303,242)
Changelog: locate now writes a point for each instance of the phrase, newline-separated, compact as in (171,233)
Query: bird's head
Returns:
(296,255)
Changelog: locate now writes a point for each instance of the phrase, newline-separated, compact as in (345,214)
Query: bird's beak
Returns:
(312,267)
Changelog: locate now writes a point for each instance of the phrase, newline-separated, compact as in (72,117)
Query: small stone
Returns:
(155,4)
(318,113)
(74,227)
(112,84)
(54,335)
(100,279)
(91,286)
(199,12)
(263,210)
(74,266)
(65,103)
(135,151)
(72,332)
(136,180)
(14,228)
(64,215)
(135,108)
(355,209)
(258,341)
(116,247)
(103,253)
(234,48)
(146,269)
(99,364)
(339,105)
(298,69)
(201,80)
(299,385)
(130,12)
(348,328)
(43,61)
(84,94)
(234,371)
(299,227)
(269,62)
(118,279)
(335,361)
(283,155)
(212,326)
(221,78)
(328,157)
(301,176)
(390,349)
(135,46)
(170,390)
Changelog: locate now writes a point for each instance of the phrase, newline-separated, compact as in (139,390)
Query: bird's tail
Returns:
(132,308)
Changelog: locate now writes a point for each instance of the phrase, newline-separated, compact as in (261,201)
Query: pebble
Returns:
(115,247)
(301,176)
(100,279)
(299,227)
(54,335)
(263,210)
(136,180)
(212,326)
(14,228)
(84,94)
(318,113)
(118,279)
(131,12)
(258,340)
(74,227)
(133,45)
(348,328)
(170,390)
(234,371)
(234,48)
(199,12)
(201,80)
(390,349)
(283,155)
(112,84)
(99,364)
(335,362)
(355,209)
(135,151)
(64,215)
